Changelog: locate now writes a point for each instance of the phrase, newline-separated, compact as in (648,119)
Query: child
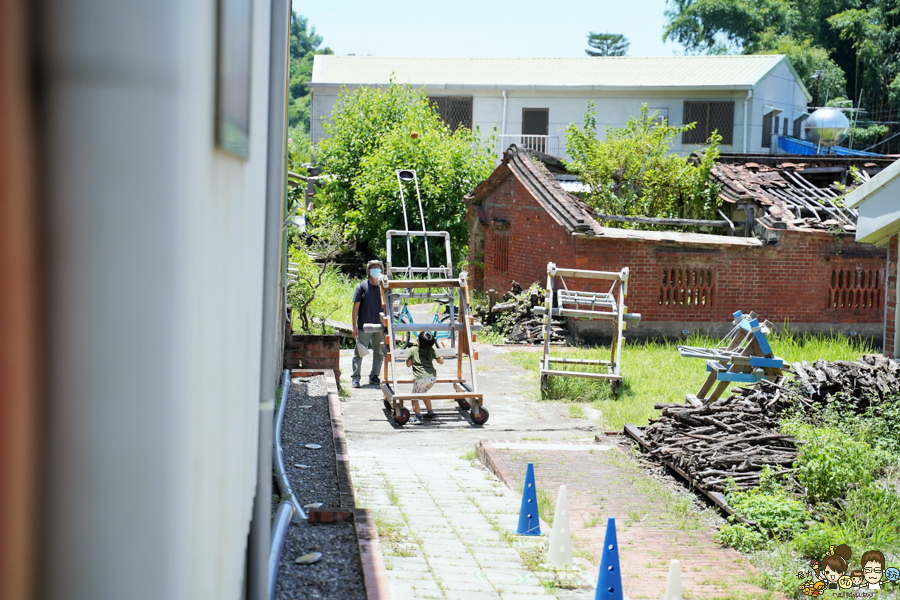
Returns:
(421,360)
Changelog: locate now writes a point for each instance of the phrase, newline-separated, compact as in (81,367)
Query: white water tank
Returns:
(827,126)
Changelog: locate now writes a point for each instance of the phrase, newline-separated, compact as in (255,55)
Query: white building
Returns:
(745,98)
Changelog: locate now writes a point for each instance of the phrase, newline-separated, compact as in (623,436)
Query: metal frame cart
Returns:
(743,355)
(575,304)
(466,392)
(431,272)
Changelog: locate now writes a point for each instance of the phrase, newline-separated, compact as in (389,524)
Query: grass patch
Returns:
(576,412)
(655,372)
(546,505)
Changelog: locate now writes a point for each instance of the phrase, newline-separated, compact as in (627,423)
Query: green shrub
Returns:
(814,542)
(368,138)
(773,510)
(830,462)
(631,171)
(741,537)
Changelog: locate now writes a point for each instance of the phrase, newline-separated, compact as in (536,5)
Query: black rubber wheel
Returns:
(464,404)
(387,405)
(402,417)
(482,416)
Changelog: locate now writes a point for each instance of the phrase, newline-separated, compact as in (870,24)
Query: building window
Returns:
(709,117)
(767,131)
(535,128)
(855,289)
(501,251)
(662,115)
(455,111)
(687,287)
(798,127)
(784,132)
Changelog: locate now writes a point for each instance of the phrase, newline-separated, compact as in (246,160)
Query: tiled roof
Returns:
(711,72)
(795,192)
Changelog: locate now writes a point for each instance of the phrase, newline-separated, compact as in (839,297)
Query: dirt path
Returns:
(449,521)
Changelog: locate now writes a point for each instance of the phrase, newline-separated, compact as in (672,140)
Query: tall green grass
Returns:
(654,372)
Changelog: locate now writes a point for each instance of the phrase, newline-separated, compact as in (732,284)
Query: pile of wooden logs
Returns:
(514,318)
(735,437)
(866,380)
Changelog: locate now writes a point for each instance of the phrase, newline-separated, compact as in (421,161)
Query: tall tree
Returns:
(842,47)
(305,44)
(607,44)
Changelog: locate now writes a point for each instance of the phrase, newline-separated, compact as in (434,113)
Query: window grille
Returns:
(767,131)
(501,252)
(784,132)
(684,287)
(709,117)
(855,289)
(455,111)
(798,127)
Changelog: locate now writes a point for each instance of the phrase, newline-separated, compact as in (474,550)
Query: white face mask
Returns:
(375,272)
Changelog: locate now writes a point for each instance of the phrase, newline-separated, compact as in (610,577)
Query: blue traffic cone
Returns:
(609,584)
(529,522)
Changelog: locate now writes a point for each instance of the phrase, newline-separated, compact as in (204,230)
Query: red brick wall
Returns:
(314,352)
(789,281)
(535,239)
(890,316)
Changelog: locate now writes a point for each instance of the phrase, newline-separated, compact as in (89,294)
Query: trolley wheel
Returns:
(545,383)
(482,417)
(464,404)
(387,405)
(401,417)
(616,386)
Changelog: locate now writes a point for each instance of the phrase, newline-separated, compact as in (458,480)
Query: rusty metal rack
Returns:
(466,392)
(586,305)
(743,355)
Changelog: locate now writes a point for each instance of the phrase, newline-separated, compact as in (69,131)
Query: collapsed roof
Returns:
(795,192)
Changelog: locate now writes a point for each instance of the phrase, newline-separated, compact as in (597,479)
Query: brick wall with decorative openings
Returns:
(784,282)
(853,288)
(684,287)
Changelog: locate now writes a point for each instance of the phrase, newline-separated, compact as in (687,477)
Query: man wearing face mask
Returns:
(367,309)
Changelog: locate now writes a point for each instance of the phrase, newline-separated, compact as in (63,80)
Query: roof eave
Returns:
(574,88)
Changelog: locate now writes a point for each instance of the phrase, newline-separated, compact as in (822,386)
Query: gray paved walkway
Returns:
(450,523)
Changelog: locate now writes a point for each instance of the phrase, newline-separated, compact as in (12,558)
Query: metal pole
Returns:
(405,223)
(424,237)
(260,532)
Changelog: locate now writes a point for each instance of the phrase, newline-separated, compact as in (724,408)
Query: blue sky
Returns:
(465,28)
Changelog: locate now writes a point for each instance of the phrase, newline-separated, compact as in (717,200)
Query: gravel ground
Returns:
(338,574)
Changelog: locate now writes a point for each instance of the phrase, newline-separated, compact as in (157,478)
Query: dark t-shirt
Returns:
(370,306)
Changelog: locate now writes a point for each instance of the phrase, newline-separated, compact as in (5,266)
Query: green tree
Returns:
(607,44)
(632,173)
(861,38)
(304,45)
(368,138)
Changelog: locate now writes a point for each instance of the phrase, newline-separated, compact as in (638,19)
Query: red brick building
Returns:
(521,218)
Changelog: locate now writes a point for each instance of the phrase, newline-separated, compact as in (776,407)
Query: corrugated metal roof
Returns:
(723,72)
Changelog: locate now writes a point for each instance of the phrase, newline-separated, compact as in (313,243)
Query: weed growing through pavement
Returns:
(470,455)
(575,412)
(590,520)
